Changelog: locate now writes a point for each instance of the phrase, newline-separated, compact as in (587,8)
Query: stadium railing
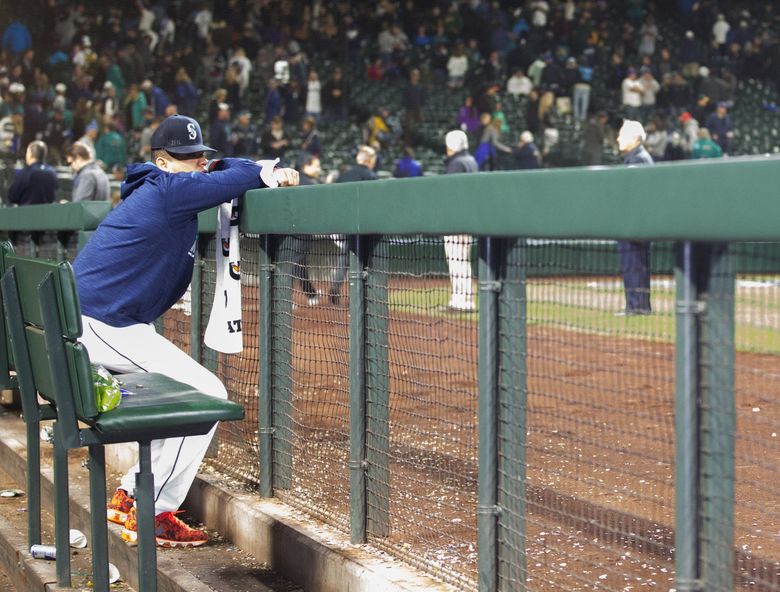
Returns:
(543,442)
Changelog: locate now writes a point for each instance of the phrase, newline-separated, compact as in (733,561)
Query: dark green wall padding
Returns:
(733,199)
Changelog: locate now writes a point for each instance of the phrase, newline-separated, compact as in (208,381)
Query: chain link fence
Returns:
(586,422)
(586,444)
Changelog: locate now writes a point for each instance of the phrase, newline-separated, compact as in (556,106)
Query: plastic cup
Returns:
(113,574)
(78,539)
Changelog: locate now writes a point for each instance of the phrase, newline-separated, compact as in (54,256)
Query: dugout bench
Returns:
(33,414)
(43,317)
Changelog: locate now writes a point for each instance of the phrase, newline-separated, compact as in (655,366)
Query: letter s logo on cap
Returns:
(191,129)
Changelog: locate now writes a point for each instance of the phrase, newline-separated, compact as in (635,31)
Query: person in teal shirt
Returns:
(705,146)
(499,115)
(135,103)
(115,77)
(111,148)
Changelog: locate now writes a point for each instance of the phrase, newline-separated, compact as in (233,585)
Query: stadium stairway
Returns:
(261,545)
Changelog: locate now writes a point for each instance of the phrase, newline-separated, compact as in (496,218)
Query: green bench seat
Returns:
(43,318)
(148,409)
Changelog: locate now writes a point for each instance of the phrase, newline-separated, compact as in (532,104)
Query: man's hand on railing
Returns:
(286,177)
(274,177)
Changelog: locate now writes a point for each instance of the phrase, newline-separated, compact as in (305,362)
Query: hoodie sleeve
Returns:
(188,194)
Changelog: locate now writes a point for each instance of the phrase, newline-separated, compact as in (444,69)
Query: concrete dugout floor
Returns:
(256,545)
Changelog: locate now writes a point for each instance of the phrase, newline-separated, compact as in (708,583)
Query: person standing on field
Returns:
(457,247)
(634,255)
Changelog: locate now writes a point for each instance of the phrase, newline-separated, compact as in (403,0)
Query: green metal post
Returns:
(377,390)
(99,529)
(281,369)
(61,507)
(33,479)
(144,501)
(60,251)
(487,486)
(266,402)
(208,282)
(718,423)
(357,392)
(512,415)
(196,299)
(209,358)
(686,420)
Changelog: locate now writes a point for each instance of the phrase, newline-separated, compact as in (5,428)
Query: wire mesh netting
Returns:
(311,405)
(599,461)
(238,441)
(757,422)
(430,437)
(589,501)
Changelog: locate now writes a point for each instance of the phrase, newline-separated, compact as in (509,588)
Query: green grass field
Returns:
(574,306)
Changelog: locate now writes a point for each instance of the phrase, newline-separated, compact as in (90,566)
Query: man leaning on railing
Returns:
(137,264)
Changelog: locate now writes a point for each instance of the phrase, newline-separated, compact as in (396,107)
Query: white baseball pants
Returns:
(139,348)
(457,248)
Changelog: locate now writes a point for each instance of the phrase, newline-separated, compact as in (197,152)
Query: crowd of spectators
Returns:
(264,76)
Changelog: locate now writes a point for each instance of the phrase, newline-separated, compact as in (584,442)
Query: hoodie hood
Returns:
(137,174)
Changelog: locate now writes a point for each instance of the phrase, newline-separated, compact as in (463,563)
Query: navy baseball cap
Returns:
(179,134)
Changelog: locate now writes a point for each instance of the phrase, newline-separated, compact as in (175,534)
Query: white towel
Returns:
(224,332)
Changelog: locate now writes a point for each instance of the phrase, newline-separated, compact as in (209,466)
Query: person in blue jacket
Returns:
(16,38)
(407,165)
(526,154)
(34,184)
(634,256)
(135,267)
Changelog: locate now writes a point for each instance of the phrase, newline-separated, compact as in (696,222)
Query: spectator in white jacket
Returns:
(313,96)
(720,30)
(519,84)
(457,66)
(243,68)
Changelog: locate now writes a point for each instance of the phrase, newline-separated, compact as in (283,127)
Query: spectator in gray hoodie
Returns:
(90,182)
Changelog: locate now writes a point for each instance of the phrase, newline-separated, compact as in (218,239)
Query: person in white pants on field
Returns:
(457,247)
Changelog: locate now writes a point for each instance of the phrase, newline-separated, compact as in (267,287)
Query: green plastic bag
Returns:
(107,391)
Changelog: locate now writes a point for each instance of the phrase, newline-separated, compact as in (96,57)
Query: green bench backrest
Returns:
(58,363)
(6,360)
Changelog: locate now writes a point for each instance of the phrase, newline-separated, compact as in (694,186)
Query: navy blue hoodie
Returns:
(139,261)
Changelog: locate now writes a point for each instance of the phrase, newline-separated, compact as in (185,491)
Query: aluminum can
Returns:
(43,551)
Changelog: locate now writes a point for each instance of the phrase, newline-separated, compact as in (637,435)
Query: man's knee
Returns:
(214,387)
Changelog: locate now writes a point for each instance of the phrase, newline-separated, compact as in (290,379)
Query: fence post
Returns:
(705,421)
(281,364)
(377,390)
(265,403)
(512,421)
(718,422)
(487,487)
(208,277)
(357,391)
(686,420)
(196,299)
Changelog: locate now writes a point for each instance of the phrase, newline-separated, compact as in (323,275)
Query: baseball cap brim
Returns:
(189,149)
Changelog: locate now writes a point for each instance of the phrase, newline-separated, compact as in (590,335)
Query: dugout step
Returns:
(219,566)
